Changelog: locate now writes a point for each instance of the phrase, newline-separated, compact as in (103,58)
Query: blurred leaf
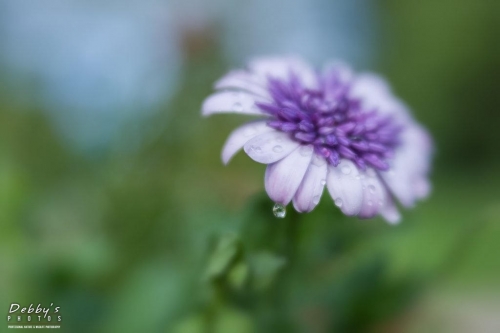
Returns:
(231,321)
(225,251)
(238,275)
(265,266)
(192,324)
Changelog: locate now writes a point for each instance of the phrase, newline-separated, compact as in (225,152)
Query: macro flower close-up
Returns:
(331,128)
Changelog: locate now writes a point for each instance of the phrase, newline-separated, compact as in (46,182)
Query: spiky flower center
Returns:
(335,124)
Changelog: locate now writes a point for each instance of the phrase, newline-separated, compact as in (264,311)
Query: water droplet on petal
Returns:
(371,188)
(323,182)
(318,161)
(306,150)
(256,149)
(345,170)
(237,107)
(315,199)
(249,131)
(338,202)
(279,210)
(277,149)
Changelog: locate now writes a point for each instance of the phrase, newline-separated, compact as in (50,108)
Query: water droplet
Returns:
(338,202)
(256,149)
(323,182)
(318,161)
(316,199)
(277,149)
(371,188)
(345,170)
(249,131)
(279,210)
(237,107)
(306,150)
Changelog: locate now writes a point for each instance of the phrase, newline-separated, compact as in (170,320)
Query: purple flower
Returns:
(330,128)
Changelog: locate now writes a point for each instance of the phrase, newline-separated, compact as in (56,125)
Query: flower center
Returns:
(336,125)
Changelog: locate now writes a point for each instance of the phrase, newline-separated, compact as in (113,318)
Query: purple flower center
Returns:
(335,124)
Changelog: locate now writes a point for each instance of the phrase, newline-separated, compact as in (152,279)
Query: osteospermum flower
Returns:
(331,128)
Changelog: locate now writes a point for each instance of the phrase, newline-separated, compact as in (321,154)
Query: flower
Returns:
(331,128)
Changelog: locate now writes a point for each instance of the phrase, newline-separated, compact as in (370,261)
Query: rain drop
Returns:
(277,149)
(323,182)
(345,170)
(371,188)
(315,199)
(306,150)
(256,149)
(318,161)
(249,131)
(279,210)
(338,202)
(237,107)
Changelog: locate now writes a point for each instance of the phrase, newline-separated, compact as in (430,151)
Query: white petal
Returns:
(270,147)
(243,80)
(240,136)
(310,190)
(344,185)
(374,93)
(390,212)
(410,166)
(281,67)
(231,101)
(284,177)
(374,194)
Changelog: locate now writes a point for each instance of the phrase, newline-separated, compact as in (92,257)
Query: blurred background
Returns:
(114,203)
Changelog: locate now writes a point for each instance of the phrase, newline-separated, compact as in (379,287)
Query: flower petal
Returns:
(407,174)
(374,93)
(374,194)
(240,136)
(310,190)
(240,79)
(281,67)
(231,102)
(284,177)
(345,187)
(270,147)
(390,212)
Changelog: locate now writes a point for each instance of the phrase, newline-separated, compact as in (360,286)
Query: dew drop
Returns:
(306,150)
(371,188)
(249,131)
(237,107)
(315,199)
(279,210)
(277,149)
(256,149)
(323,182)
(318,161)
(338,202)
(345,170)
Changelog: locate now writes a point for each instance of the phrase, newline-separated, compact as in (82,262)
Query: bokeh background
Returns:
(115,206)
